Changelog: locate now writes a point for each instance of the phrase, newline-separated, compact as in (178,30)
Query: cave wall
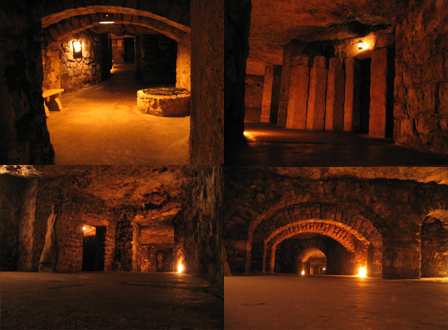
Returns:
(198,227)
(421,65)
(207,82)
(24,137)
(237,25)
(156,59)
(183,67)
(52,68)
(253,97)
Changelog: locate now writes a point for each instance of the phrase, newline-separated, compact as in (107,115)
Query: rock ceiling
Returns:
(275,22)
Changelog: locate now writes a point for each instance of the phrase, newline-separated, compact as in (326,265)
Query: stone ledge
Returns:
(164,102)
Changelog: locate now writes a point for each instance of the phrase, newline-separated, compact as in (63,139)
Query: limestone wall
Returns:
(183,67)
(421,89)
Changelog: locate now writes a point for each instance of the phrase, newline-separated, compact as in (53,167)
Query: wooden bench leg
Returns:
(47,112)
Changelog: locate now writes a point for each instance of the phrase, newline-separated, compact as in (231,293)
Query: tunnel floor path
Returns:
(100,125)
(334,302)
(90,300)
(270,145)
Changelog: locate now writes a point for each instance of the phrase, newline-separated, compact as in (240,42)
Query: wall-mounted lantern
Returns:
(77,49)
(360,45)
(106,19)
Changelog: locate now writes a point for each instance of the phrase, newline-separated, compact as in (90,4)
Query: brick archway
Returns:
(355,220)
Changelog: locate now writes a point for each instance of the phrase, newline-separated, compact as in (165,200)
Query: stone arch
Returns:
(348,215)
(434,244)
(303,257)
(327,228)
(172,12)
(56,33)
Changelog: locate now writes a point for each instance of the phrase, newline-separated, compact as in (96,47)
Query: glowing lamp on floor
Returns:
(303,272)
(362,272)
(77,49)
(179,268)
(360,45)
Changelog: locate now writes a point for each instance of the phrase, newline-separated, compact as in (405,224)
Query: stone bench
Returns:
(51,100)
(164,101)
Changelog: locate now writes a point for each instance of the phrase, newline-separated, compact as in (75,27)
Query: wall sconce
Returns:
(77,49)
(107,19)
(360,45)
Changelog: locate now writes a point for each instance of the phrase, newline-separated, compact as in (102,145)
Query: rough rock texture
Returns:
(207,83)
(254,92)
(183,66)
(198,228)
(157,55)
(380,218)
(315,119)
(334,107)
(52,68)
(78,73)
(421,90)
(271,94)
(237,24)
(275,23)
(164,102)
(298,93)
(352,103)
(24,137)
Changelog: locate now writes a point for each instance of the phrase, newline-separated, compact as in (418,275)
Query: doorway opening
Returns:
(93,248)
(129,50)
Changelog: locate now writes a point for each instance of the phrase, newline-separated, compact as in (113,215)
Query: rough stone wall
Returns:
(157,59)
(80,72)
(253,97)
(395,208)
(183,67)
(136,247)
(421,87)
(149,261)
(124,252)
(11,203)
(165,260)
(52,68)
(207,83)
(198,228)
(24,137)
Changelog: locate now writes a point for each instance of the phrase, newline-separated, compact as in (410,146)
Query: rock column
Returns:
(316,100)
(298,93)
(352,111)
(334,113)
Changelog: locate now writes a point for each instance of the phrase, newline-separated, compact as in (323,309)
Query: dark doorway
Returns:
(129,50)
(93,248)
(365,94)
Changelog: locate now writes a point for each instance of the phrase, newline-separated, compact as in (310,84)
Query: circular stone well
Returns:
(164,101)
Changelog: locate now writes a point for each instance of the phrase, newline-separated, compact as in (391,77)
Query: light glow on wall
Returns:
(84,228)
(360,45)
(303,272)
(179,268)
(362,272)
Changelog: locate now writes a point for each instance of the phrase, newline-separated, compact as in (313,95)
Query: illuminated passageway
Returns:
(101,125)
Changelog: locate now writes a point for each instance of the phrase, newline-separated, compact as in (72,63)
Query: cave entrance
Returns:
(93,248)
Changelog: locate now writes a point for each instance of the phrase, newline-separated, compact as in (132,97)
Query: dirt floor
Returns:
(90,300)
(334,302)
(100,125)
(270,145)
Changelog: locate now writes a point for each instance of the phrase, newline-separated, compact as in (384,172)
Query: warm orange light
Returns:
(362,272)
(180,268)
(76,46)
(360,45)
(84,228)
(303,272)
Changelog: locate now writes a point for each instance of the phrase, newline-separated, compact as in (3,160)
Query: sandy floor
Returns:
(100,125)
(334,302)
(107,301)
(270,145)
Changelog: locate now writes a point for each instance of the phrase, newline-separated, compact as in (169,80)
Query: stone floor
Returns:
(334,302)
(107,301)
(100,125)
(270,145)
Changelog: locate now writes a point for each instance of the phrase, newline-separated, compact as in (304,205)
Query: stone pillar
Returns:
(401,257)
(291,50)
(315,119)
(136,247)
(352,105)
(183,67)
(298,93)
(334,111)
(378,93)
(271,87)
